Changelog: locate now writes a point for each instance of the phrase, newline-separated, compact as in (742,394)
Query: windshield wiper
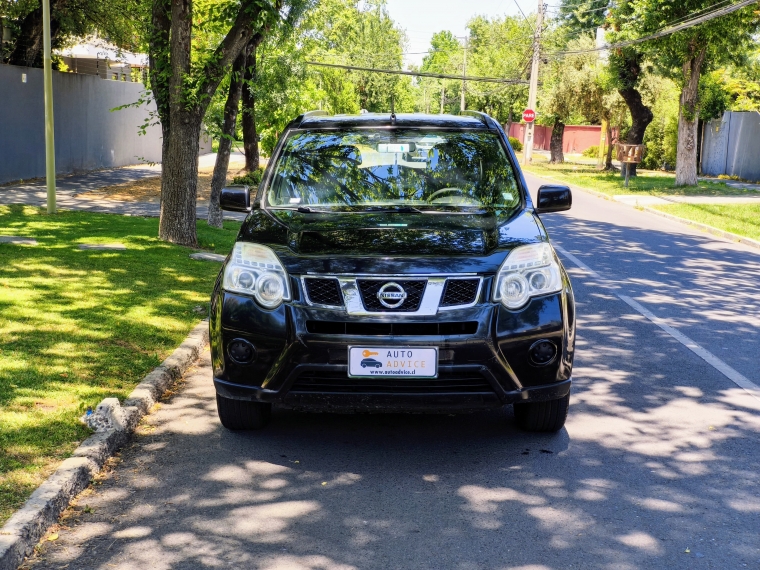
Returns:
(394,210)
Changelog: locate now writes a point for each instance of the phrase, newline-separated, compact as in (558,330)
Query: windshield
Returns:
(404,170)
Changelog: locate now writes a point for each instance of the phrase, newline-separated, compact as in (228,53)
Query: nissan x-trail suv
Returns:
(393,263)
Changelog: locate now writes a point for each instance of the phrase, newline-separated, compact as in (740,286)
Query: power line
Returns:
(524,16)
(421,73)
(666,31)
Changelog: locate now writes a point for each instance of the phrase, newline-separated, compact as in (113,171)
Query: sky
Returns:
(422,18)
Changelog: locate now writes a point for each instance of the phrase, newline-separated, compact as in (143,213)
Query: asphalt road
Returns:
(657,467)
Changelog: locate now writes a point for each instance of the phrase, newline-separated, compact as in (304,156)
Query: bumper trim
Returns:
(385,401)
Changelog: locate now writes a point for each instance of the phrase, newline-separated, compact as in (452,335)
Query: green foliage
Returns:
(252,178)
(517,146)
(499,47)
(713,96)
(661,137)
(592,151)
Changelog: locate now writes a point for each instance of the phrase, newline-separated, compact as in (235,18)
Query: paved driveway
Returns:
(657,467)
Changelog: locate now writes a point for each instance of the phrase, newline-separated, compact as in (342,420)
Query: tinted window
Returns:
(379,168)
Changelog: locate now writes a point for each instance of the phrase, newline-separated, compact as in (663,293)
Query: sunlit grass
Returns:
(81,325)
(742,219)
(647,183)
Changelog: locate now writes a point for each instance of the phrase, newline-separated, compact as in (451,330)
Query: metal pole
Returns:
(528,148)
(49,124)
(464,74)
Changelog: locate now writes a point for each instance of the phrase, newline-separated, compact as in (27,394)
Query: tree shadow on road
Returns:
(657,467)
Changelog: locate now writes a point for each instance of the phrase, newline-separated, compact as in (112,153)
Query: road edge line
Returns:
(20,534)
(736,377)
(611,197)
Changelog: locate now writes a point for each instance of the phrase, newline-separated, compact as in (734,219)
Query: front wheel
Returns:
(242,415)
(546,416)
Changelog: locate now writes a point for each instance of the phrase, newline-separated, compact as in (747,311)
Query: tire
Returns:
(546,416)
(240,415)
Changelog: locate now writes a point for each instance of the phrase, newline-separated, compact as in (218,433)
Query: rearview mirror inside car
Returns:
(553,198)
(235,199)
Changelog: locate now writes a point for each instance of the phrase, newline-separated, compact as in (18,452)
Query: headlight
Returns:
(528,271)
(255,270)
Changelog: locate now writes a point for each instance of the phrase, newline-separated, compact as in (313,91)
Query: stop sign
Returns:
(529,115)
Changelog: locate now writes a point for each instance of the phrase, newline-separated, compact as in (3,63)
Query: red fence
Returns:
(577,138)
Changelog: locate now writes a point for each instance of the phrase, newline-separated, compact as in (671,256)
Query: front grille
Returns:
(460,292)
(391,329)
(414,290)
(323,291)
(331,382)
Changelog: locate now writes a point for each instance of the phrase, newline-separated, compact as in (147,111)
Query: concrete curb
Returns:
(709,229)
(24,529)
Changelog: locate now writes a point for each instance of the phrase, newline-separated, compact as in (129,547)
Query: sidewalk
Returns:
(68,189)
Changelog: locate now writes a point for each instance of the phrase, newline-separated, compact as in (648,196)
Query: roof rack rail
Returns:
(483,117)
(315,113)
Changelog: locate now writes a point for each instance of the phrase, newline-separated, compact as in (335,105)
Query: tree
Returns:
(685,55)
(118,20)
(219,178)
(184,77)
(445,57)
(500,47)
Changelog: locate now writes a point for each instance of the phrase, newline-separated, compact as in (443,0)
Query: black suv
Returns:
(393,263)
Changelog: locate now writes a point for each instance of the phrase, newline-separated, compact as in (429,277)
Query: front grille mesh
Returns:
(324,291)
(460,292)
(414,291)
(322,382)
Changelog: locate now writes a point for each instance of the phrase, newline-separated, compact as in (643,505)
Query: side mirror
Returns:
(553,198)
(235,199)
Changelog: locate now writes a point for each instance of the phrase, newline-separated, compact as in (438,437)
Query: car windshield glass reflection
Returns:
(398,170)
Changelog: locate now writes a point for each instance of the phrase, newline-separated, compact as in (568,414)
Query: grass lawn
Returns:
(81,325)
(647,183)
(742,219)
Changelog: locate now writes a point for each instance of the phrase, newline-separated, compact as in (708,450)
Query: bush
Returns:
(252,179)
(516,144)
(591,152)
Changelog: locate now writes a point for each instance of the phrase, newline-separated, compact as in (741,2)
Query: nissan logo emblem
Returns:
(391,295)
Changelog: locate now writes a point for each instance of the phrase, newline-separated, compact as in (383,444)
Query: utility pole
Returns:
(464,74)
(528,146)
(49,124)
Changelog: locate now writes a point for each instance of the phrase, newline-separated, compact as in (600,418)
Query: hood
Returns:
(364,242)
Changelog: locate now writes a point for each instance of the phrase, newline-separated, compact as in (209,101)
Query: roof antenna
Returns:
(393,111)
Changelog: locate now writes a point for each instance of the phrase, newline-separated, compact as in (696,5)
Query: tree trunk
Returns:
(641,116)
(28,49)
(629,71)
(555,146)
(688,119)
(215,214)
(250,135)
(179,174)
(608,162)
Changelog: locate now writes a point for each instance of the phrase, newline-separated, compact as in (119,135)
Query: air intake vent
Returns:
(460,292)
(323,291)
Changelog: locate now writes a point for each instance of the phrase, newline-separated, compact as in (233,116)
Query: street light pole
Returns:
(49,124)
(528,147)
(464,74)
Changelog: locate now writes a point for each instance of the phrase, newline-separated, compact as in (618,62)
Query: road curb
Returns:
(709,229)
(24,529)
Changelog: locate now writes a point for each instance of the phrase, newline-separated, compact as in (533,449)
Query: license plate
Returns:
(399,362)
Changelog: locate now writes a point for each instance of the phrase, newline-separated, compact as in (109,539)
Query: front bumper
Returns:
(486,367)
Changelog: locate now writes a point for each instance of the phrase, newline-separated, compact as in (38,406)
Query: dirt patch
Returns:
(149,189)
